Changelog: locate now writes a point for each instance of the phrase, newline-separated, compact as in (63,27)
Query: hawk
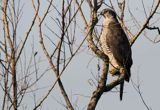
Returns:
(116,46)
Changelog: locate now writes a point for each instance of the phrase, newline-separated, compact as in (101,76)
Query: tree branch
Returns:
(145,24)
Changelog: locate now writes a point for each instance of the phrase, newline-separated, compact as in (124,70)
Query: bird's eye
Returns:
(109,12)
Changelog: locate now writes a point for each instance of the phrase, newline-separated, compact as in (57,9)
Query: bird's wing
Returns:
(119,44)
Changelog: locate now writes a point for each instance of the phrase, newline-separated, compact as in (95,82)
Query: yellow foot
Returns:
(114,72)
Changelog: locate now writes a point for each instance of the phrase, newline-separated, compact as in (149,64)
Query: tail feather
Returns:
(128,75)
(121,90)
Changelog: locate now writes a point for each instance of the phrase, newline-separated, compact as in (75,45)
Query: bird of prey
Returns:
(116,46)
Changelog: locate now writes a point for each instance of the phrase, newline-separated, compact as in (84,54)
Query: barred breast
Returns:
(106,49)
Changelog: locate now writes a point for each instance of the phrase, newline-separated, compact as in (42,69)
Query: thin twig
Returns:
(145,24)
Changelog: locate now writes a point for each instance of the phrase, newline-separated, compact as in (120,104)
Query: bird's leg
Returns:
(114,72)
(118,71)
(122,72)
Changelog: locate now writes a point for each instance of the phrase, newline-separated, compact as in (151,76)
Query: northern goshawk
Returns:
(115,44)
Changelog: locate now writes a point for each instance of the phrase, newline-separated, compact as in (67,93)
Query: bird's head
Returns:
(108,13)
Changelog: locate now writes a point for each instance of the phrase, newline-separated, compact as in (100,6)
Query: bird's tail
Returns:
(121,90)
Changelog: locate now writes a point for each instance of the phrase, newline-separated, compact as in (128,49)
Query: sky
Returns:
(78,77)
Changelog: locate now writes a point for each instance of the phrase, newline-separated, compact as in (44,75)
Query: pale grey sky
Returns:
(76,78)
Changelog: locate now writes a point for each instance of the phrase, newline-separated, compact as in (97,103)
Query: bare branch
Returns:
(138,90)
(145,24)
(153,28)
(100,89)
(5,22)
(56,70)
(90,4)
(28,32)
